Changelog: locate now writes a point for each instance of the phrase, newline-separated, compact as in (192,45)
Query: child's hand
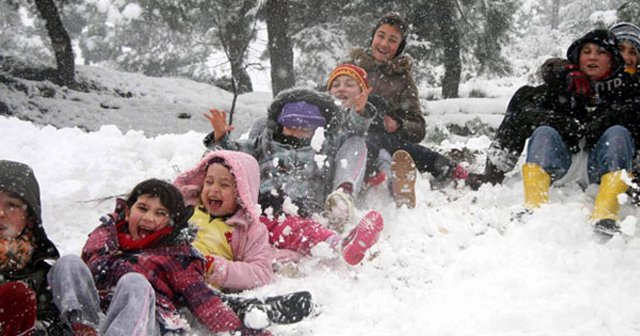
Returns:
(390,125)
(209,265)
(218,120)
(360,101)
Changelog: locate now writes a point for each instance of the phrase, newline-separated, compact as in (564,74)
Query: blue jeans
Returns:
(614,151)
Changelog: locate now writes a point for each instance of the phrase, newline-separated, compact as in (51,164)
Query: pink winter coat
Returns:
(252,254)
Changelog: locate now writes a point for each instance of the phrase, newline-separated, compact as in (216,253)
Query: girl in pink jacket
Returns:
(223,187)
(236,239)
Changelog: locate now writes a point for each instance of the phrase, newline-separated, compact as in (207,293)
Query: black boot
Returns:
(281,309)
(491,175)
(607,228)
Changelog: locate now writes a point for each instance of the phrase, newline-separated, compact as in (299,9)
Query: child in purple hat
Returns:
(299,150)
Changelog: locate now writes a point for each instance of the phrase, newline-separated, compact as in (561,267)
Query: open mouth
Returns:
(142,232)
(382,52)
(214,204)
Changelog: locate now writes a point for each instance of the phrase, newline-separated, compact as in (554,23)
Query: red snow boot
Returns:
(362,237)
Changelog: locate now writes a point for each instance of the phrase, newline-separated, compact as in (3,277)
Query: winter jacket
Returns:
(252,255)
(613,101)
(303,173)
(20,179)
(393,81)
(172,266)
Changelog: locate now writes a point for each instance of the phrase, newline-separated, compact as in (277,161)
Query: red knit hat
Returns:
(353,71)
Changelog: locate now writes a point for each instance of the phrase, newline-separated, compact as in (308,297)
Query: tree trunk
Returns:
(238,35)
(444,11)
(60,41)
(280,45)
(555,14)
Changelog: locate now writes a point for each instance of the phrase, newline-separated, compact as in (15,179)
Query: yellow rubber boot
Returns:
(536,185)
(606,205)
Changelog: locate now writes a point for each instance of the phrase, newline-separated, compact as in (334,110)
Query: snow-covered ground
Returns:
(461,263)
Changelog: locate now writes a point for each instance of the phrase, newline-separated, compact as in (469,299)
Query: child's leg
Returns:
(428,160)
(351,164)
(133,308)
(18,313)
(74,292)
(296,233)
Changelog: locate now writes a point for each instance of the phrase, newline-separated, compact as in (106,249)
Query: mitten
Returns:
(459,173)
(577,81)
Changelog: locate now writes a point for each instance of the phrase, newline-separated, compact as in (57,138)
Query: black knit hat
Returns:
(394,19)
(602,38)
(169,195)
(18,178)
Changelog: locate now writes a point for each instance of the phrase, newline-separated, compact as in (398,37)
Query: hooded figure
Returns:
(18,178)
(392,80)
(293,167)
(249,265)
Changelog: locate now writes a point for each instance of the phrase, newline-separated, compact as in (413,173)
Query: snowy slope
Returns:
(462,263)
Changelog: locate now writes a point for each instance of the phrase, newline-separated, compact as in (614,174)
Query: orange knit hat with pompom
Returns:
(353,71)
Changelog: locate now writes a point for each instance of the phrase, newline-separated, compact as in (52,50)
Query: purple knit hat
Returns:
(301,114)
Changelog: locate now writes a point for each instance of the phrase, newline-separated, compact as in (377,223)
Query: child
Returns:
(389,73)
(628,36)
(294,167)
(293,235)
(584,112)
(399,127)
(140,268)
(350,85)
(25,253)
(224,190)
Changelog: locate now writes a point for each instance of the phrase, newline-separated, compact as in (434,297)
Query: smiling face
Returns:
(219,191)
(385,43)
(595,61)
(629,53)
(13,215)
(345,88)
(146,216)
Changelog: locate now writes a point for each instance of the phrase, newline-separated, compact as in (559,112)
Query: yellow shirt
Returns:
(212,235)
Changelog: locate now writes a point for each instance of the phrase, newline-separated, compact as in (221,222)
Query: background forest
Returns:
(230,42)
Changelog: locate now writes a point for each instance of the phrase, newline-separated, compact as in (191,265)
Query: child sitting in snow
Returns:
(25,251)
(400,126)
(141,268)
(353,114)
(293,184)
(223,187)
(315,176)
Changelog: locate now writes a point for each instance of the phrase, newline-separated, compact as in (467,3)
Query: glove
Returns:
(459,173)
(577,81)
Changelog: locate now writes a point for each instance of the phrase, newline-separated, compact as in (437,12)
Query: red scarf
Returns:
(129,244)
